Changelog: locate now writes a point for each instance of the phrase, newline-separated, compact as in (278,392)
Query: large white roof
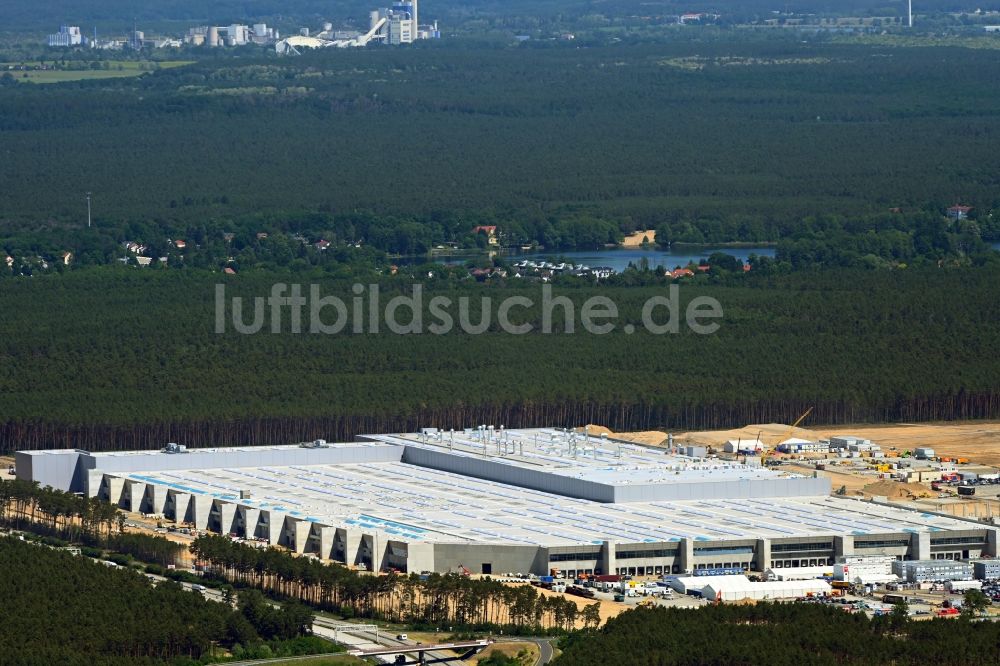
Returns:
(585,457)
(420,504)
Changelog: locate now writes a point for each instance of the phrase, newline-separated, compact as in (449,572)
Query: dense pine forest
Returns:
(769,634)
(877,307)
(718,139)
(124,359)
(64,609)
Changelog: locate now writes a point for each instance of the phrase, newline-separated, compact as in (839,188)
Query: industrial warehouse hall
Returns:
(499,501)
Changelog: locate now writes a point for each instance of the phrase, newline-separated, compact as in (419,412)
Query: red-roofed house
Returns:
(228,271)
(704,268)
(179,244)
(322,244)
(682,272)
(959,212)
(490,231)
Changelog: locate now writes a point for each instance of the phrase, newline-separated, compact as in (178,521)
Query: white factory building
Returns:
(68,35)
(498,501)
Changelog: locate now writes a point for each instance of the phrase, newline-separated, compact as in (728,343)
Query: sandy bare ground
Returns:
(648,437)
(979,441)
(769,433)
(609,609)
(635,240)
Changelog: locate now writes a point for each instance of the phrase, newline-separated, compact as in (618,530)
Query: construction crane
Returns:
(767,451)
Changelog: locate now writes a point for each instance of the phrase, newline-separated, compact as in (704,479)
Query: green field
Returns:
(118,70)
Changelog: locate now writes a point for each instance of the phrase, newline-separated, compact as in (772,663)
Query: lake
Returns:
(619,259)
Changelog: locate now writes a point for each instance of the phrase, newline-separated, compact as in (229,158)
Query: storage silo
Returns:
(213,36)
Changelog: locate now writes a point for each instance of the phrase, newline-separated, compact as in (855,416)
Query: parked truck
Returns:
(580,592)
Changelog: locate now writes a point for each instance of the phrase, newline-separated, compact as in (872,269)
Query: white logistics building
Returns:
(932,571)
(497,501)
(865,570)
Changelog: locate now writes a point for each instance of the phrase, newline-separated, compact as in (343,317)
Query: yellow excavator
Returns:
(769,449)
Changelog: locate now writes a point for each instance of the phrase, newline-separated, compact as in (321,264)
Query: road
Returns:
(365,640)
(544,649)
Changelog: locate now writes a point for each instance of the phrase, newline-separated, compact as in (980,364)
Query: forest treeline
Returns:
(432,600)
(67,609)
(768,633)
(120,359)
(568,147)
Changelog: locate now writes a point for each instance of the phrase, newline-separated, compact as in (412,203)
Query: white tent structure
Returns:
(734,590)
(800,573)
(697,584)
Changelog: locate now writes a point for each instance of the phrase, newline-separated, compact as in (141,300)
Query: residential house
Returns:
(958,212)
(490,231)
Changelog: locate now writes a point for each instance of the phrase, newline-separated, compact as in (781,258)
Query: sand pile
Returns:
(647,437)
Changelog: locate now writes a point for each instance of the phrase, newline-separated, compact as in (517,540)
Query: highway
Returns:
(364,639)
